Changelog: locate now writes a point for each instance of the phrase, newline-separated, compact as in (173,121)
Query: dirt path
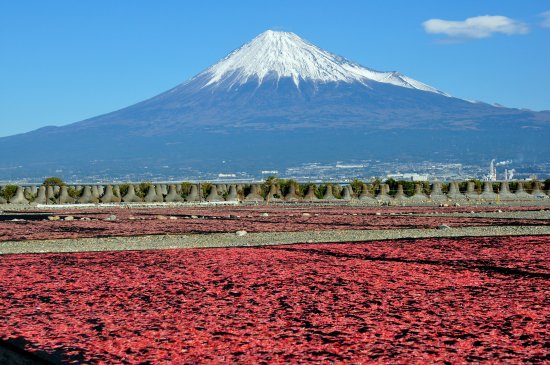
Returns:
(156,242)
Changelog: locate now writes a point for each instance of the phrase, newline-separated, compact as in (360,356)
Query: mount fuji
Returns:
(281,100)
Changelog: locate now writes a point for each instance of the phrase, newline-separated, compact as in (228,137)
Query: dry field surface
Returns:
(32,225)
(399,301)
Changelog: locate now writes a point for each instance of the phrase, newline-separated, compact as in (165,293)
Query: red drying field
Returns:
(403,301)
(131,222)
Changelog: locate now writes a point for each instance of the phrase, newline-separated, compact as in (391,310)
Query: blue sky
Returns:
(63,61)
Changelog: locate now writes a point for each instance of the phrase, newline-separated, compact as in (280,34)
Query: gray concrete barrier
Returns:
(172,195)
(158,193)
(213,195)
(254,194)
(328,194)
(130,196)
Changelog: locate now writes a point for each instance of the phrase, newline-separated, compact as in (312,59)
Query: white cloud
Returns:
(546,21)
(476,27)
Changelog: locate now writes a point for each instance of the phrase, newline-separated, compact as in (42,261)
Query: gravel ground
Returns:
(525,214)
(120,222)
(254,239)
(354,203)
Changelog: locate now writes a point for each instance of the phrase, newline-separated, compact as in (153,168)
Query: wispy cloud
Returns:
(546,19)
(476,27)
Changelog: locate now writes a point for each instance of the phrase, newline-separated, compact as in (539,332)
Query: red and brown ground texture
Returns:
(394,302)
(189,220)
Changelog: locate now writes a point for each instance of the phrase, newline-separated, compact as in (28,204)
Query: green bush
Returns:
(392,183)
(242,191)
(529,185)
(336,190)
(303,188)
(8,191)
(371,189)
(284,186)
(266,186)
(205,187)
(53,181)
(245,190)
(478,185)
(73,192)
(356,185)
(123,188)
(375,186)
(143,189)
(321,190)
(185,189)
(426,188)
(28,195)
(408,186)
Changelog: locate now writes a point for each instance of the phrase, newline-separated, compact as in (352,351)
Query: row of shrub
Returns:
(409,187)
(283,188)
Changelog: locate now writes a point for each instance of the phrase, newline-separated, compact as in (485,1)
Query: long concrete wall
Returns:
(437,193)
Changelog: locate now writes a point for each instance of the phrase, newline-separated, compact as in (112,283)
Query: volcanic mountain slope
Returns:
(280,97)
(279,81)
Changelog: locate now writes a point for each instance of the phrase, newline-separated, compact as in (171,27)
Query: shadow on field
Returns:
(478,265)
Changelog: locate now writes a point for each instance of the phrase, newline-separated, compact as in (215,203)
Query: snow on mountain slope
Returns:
(284,54)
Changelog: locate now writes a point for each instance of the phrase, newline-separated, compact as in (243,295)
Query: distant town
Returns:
(339,171)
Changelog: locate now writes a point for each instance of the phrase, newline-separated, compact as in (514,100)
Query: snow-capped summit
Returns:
(275,54)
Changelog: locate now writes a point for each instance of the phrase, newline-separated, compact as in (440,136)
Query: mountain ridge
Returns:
(292,109)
